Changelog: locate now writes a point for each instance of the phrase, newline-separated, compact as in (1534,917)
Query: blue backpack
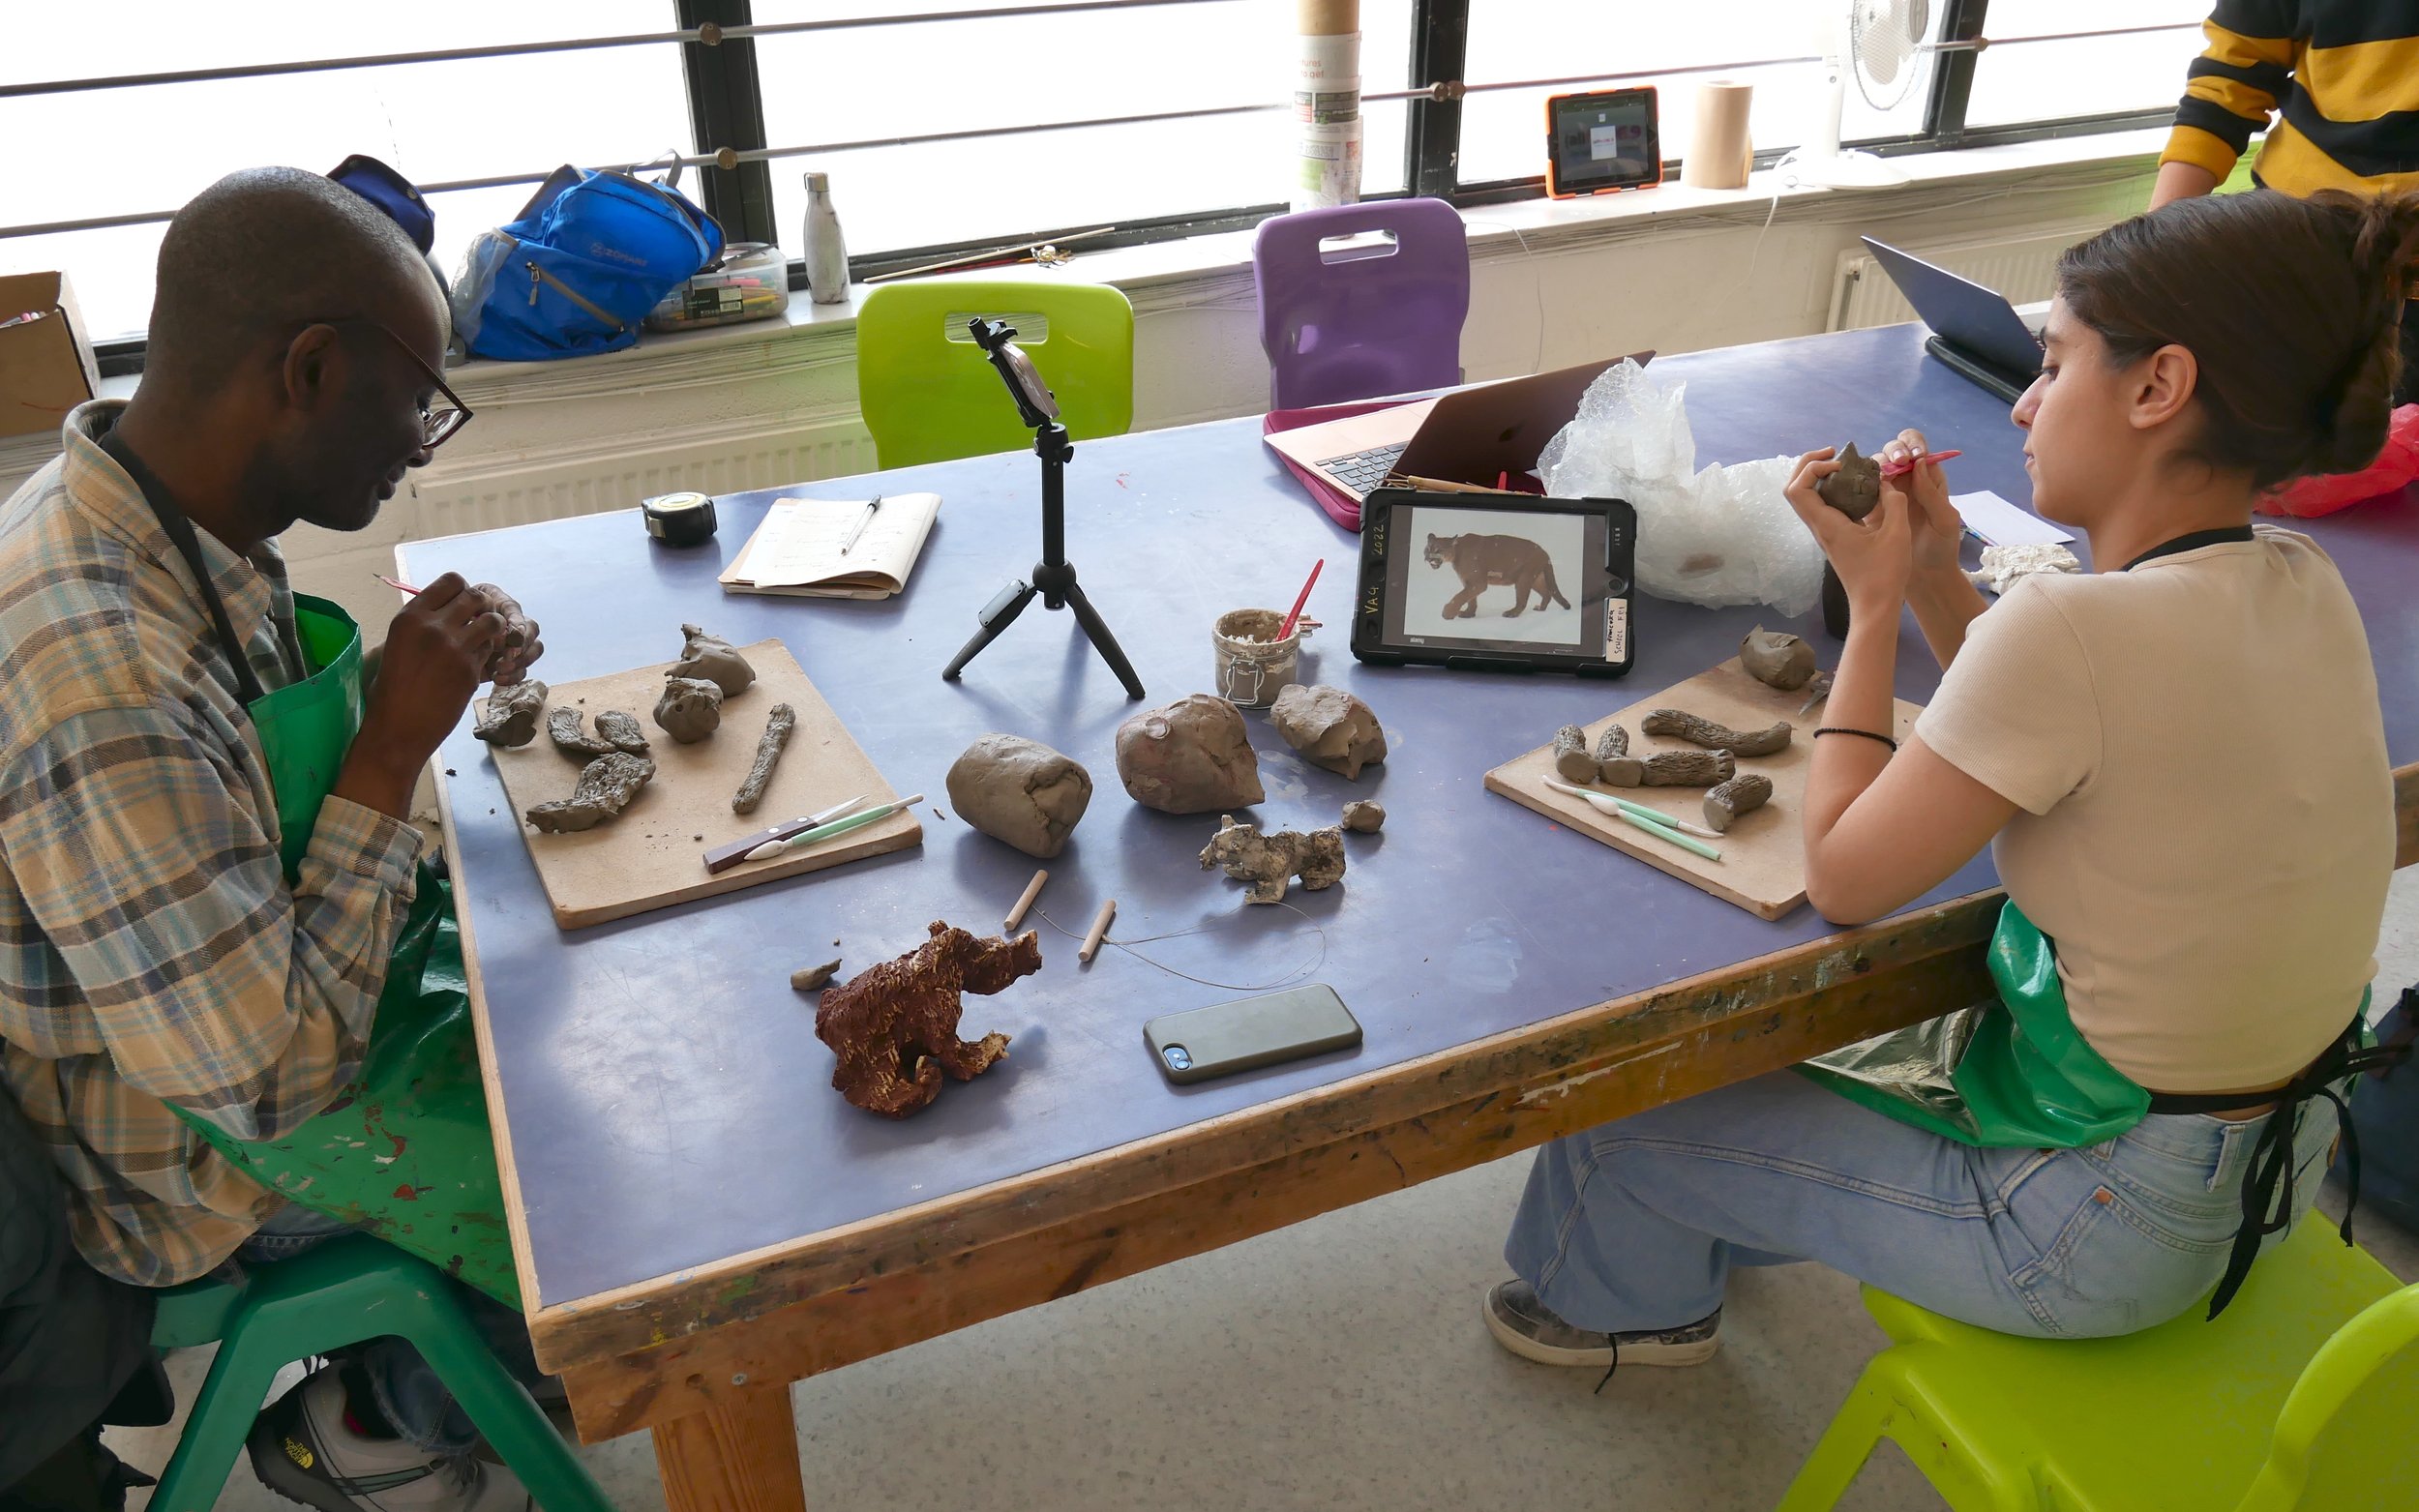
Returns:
(575,272)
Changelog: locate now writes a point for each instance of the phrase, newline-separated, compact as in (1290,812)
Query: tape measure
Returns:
(679,519)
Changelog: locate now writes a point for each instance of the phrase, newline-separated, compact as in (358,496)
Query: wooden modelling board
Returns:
(1763,864)
(649,856)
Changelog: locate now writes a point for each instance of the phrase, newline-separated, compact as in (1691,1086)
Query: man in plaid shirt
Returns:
(153,956)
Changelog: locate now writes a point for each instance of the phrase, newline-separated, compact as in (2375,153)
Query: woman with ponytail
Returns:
(2180,763)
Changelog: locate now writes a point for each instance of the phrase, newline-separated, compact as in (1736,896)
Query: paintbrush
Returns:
(1302,598)
(1907,464)
(822,832)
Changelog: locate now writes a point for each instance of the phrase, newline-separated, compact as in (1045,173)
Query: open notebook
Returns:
(798,549)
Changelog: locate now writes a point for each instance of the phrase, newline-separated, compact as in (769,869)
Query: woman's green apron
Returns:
(403,1150)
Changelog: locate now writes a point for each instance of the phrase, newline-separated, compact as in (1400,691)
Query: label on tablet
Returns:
(1615,630)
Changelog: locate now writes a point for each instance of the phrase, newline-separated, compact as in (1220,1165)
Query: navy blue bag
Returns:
(2385,1113)
(575,272)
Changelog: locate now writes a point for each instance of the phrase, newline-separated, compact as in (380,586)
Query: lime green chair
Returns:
(2300,1395)
(345,1291)
(929,393)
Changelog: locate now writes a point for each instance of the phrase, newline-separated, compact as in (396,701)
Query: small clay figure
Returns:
(1777,658)
(1570,754)
(622,731)
(894,1027)
(814,979)
(1716,737)
(1190,756)
(713,659)
(568,728)
(1674,769)
(690,709)
(605,789)
(1329,728)
(510,715)
(1726,801)
(777,726)
(1268,861)
(1365,817)
(1855,490)
(1021,792)
(1614,764)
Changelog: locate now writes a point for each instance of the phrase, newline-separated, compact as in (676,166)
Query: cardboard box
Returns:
(46,365)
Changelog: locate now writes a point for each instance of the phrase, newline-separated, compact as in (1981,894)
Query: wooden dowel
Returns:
(1024,900)
(1100,929)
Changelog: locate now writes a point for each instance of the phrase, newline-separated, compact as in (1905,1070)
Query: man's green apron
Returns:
(404,1150)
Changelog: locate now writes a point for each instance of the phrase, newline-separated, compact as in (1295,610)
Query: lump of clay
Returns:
(605,789)
(1728,800)
(622,731)
(713,659)
(1329,728)
(894,1027)
(1363,817)
(690,709)
(1675,769)
(1777,658)
(1190,756)
(1020,791)
(777,726)
(814,979)
(1570,754)
(1855,490)
(1716,737)
(568,728)
(510,715)
(1268,861)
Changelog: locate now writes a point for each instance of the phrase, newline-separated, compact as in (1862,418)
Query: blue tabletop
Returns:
(669,1103)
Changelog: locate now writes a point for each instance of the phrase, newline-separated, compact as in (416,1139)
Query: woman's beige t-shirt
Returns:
(2206,822)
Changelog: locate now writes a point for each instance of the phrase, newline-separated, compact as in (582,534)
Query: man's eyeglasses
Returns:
(441,417)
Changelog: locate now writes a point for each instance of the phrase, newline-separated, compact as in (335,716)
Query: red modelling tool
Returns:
(396,583)
(1287,628)
(1905,466)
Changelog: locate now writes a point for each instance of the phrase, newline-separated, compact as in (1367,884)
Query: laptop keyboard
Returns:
(1363,471)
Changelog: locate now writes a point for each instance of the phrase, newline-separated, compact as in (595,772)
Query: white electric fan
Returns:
(1880,42)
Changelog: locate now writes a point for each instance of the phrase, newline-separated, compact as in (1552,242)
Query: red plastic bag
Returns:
(2395,469)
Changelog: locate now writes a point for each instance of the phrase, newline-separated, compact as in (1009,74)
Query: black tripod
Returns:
(1054,576)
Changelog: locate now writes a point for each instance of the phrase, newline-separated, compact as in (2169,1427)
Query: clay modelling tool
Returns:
(1286,629)
(1024,900)
(722,858)
(1098,932)
(1907,464)
(822,832)
(397,584)
(1652,816)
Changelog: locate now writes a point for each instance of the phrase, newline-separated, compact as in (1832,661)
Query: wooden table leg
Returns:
(740,1457)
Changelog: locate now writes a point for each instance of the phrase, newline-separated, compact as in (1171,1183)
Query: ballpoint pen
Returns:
(862,521)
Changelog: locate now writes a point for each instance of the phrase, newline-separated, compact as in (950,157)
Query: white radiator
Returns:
(2025,269)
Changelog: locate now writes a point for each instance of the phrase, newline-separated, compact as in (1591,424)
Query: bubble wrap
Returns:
(1721,536)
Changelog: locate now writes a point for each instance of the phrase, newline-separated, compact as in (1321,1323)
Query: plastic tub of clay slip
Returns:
(1250,665)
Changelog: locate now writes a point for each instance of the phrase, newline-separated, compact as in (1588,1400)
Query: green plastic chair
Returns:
(345,1291)
(2300,1395)
(929,393)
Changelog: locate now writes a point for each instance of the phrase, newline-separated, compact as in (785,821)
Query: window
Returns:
(2017,81)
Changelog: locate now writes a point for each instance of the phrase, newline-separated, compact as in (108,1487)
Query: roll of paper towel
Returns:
(1719,153)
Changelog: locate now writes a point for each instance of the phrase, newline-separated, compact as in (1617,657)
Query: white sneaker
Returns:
(302,1449)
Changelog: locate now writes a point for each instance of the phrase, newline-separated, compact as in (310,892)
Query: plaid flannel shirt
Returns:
(151,953)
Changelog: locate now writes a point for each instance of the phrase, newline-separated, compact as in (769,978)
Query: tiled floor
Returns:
(1336,1365)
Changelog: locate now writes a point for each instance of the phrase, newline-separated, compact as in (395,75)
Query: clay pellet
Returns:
(1570,754)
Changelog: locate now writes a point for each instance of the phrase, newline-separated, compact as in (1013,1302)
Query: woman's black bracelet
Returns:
(1841,730)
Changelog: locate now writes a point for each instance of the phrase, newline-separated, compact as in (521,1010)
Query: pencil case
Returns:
(749,282)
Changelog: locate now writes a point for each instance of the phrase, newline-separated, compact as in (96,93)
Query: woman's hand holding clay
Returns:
(1933,524)
(1873,556)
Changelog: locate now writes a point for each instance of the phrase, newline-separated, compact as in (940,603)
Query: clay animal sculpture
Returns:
(1482,562)
(1365,817)
(1777,658)
(1726,801)
(1190,756)
(1570,754)
(690,709)
(894,1027)
(1674,769)
(622,731)
(1684,725)
(1330,728)
(1021,792)
(777,728)
(606,787)
(1268,861)
(1855,489)
(510,715)
(713,659)
(567,728)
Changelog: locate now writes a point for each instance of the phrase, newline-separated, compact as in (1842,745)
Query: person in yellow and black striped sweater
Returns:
(2343,74)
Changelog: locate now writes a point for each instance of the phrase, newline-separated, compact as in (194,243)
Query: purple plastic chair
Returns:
(1355,323)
